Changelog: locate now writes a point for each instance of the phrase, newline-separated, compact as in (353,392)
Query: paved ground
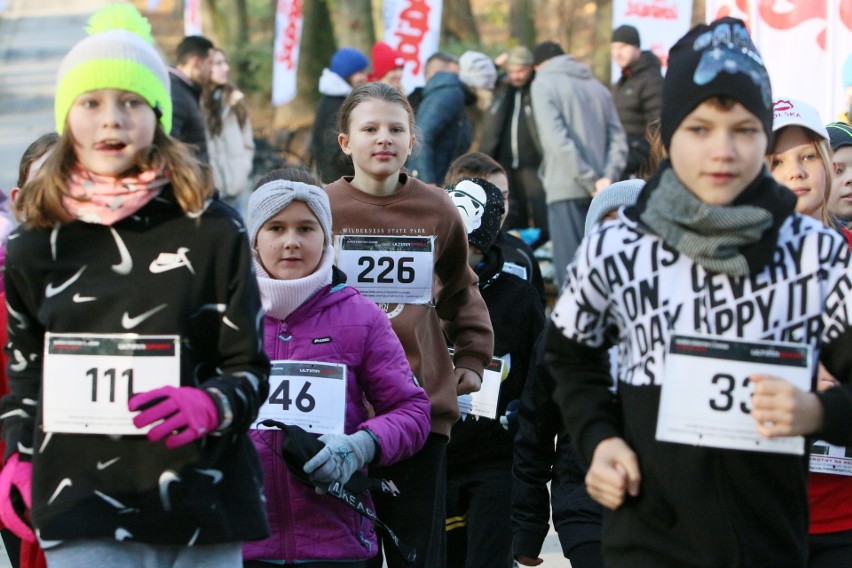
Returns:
(34,36)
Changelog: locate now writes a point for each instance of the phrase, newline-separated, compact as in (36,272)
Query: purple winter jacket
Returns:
(310,527)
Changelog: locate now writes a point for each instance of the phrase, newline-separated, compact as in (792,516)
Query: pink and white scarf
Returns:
(105,200)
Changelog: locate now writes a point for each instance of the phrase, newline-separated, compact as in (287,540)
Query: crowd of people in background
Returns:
(358,361)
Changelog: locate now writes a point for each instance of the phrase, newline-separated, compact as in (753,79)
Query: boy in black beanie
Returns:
(720,300)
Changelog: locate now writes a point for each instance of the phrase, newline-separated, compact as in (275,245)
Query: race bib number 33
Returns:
(88,379)
(396,270)
(706,394)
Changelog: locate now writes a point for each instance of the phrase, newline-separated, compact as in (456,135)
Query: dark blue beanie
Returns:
(715,59)
(839,135)
(347,61)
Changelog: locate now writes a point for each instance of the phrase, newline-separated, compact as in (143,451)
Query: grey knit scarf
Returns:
(711,235)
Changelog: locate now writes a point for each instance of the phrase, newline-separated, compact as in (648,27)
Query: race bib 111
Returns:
(89,378)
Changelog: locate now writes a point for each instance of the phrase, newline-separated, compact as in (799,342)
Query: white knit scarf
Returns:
(280,298)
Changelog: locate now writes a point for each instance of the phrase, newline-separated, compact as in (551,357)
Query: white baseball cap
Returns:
(793,112)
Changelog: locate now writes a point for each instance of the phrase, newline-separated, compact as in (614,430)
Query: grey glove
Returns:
(341,457)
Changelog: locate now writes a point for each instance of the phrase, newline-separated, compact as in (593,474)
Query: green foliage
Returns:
(255,61)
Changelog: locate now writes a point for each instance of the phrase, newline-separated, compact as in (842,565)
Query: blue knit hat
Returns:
(839,135)
(620,194)
(347,61)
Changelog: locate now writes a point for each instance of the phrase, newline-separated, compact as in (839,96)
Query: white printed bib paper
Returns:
(706,393)
(89,378)
(308,394)
(484,401)
(393,270)
(827,458)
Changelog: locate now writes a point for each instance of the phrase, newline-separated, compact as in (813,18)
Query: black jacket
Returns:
(698,505)
(576,516)
(331,163)
(497,141)
(156,272)
(516,251)
(517,318)
(638,99)
(187,118)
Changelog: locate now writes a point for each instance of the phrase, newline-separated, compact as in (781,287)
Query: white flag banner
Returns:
(192,17)
(660,24)
(804,44)
(413,27)
(288,36)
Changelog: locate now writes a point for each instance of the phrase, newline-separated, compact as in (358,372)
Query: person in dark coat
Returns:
(509,136)
(190,73)
(347,70)
(637,94)
(445,130)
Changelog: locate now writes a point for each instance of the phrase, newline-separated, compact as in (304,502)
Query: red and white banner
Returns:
(413,27)
(192,17)
(660,23)
(804,44)
(288,36)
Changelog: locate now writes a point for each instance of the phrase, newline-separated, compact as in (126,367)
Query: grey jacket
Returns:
(578,126)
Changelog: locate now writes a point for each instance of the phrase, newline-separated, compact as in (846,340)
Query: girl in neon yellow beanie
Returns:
(136,363)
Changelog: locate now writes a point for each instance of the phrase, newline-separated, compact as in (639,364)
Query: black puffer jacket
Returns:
(638,99)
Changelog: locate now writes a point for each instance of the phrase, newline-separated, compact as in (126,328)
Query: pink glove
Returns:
(187,413)
(16,477)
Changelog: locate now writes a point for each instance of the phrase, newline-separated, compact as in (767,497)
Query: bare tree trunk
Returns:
(522,22)
(241,35)
(353,24)
(698,9)
(316,51)
(601,39)
(458,23)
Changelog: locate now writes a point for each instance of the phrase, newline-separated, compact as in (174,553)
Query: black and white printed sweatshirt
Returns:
(698,506)
(156,272)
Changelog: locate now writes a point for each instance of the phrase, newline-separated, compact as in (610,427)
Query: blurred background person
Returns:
(346,70)
(230,140)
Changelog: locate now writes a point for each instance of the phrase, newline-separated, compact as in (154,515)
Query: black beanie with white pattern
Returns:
(716,59)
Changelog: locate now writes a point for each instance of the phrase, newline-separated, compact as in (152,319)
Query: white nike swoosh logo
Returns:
(128,322)
(171,260)
(114,502)
(103,465)
(62,485)
(166,478)
(54,233)
(52,290)
(20,361)
(214,473)
(126,265)
(22,321)
(78,298)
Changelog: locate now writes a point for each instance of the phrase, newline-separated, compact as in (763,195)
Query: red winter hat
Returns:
(385,58)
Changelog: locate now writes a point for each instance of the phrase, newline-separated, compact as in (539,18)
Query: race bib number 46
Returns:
(395,270)
(88,379)
(706,394)
(308,394)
